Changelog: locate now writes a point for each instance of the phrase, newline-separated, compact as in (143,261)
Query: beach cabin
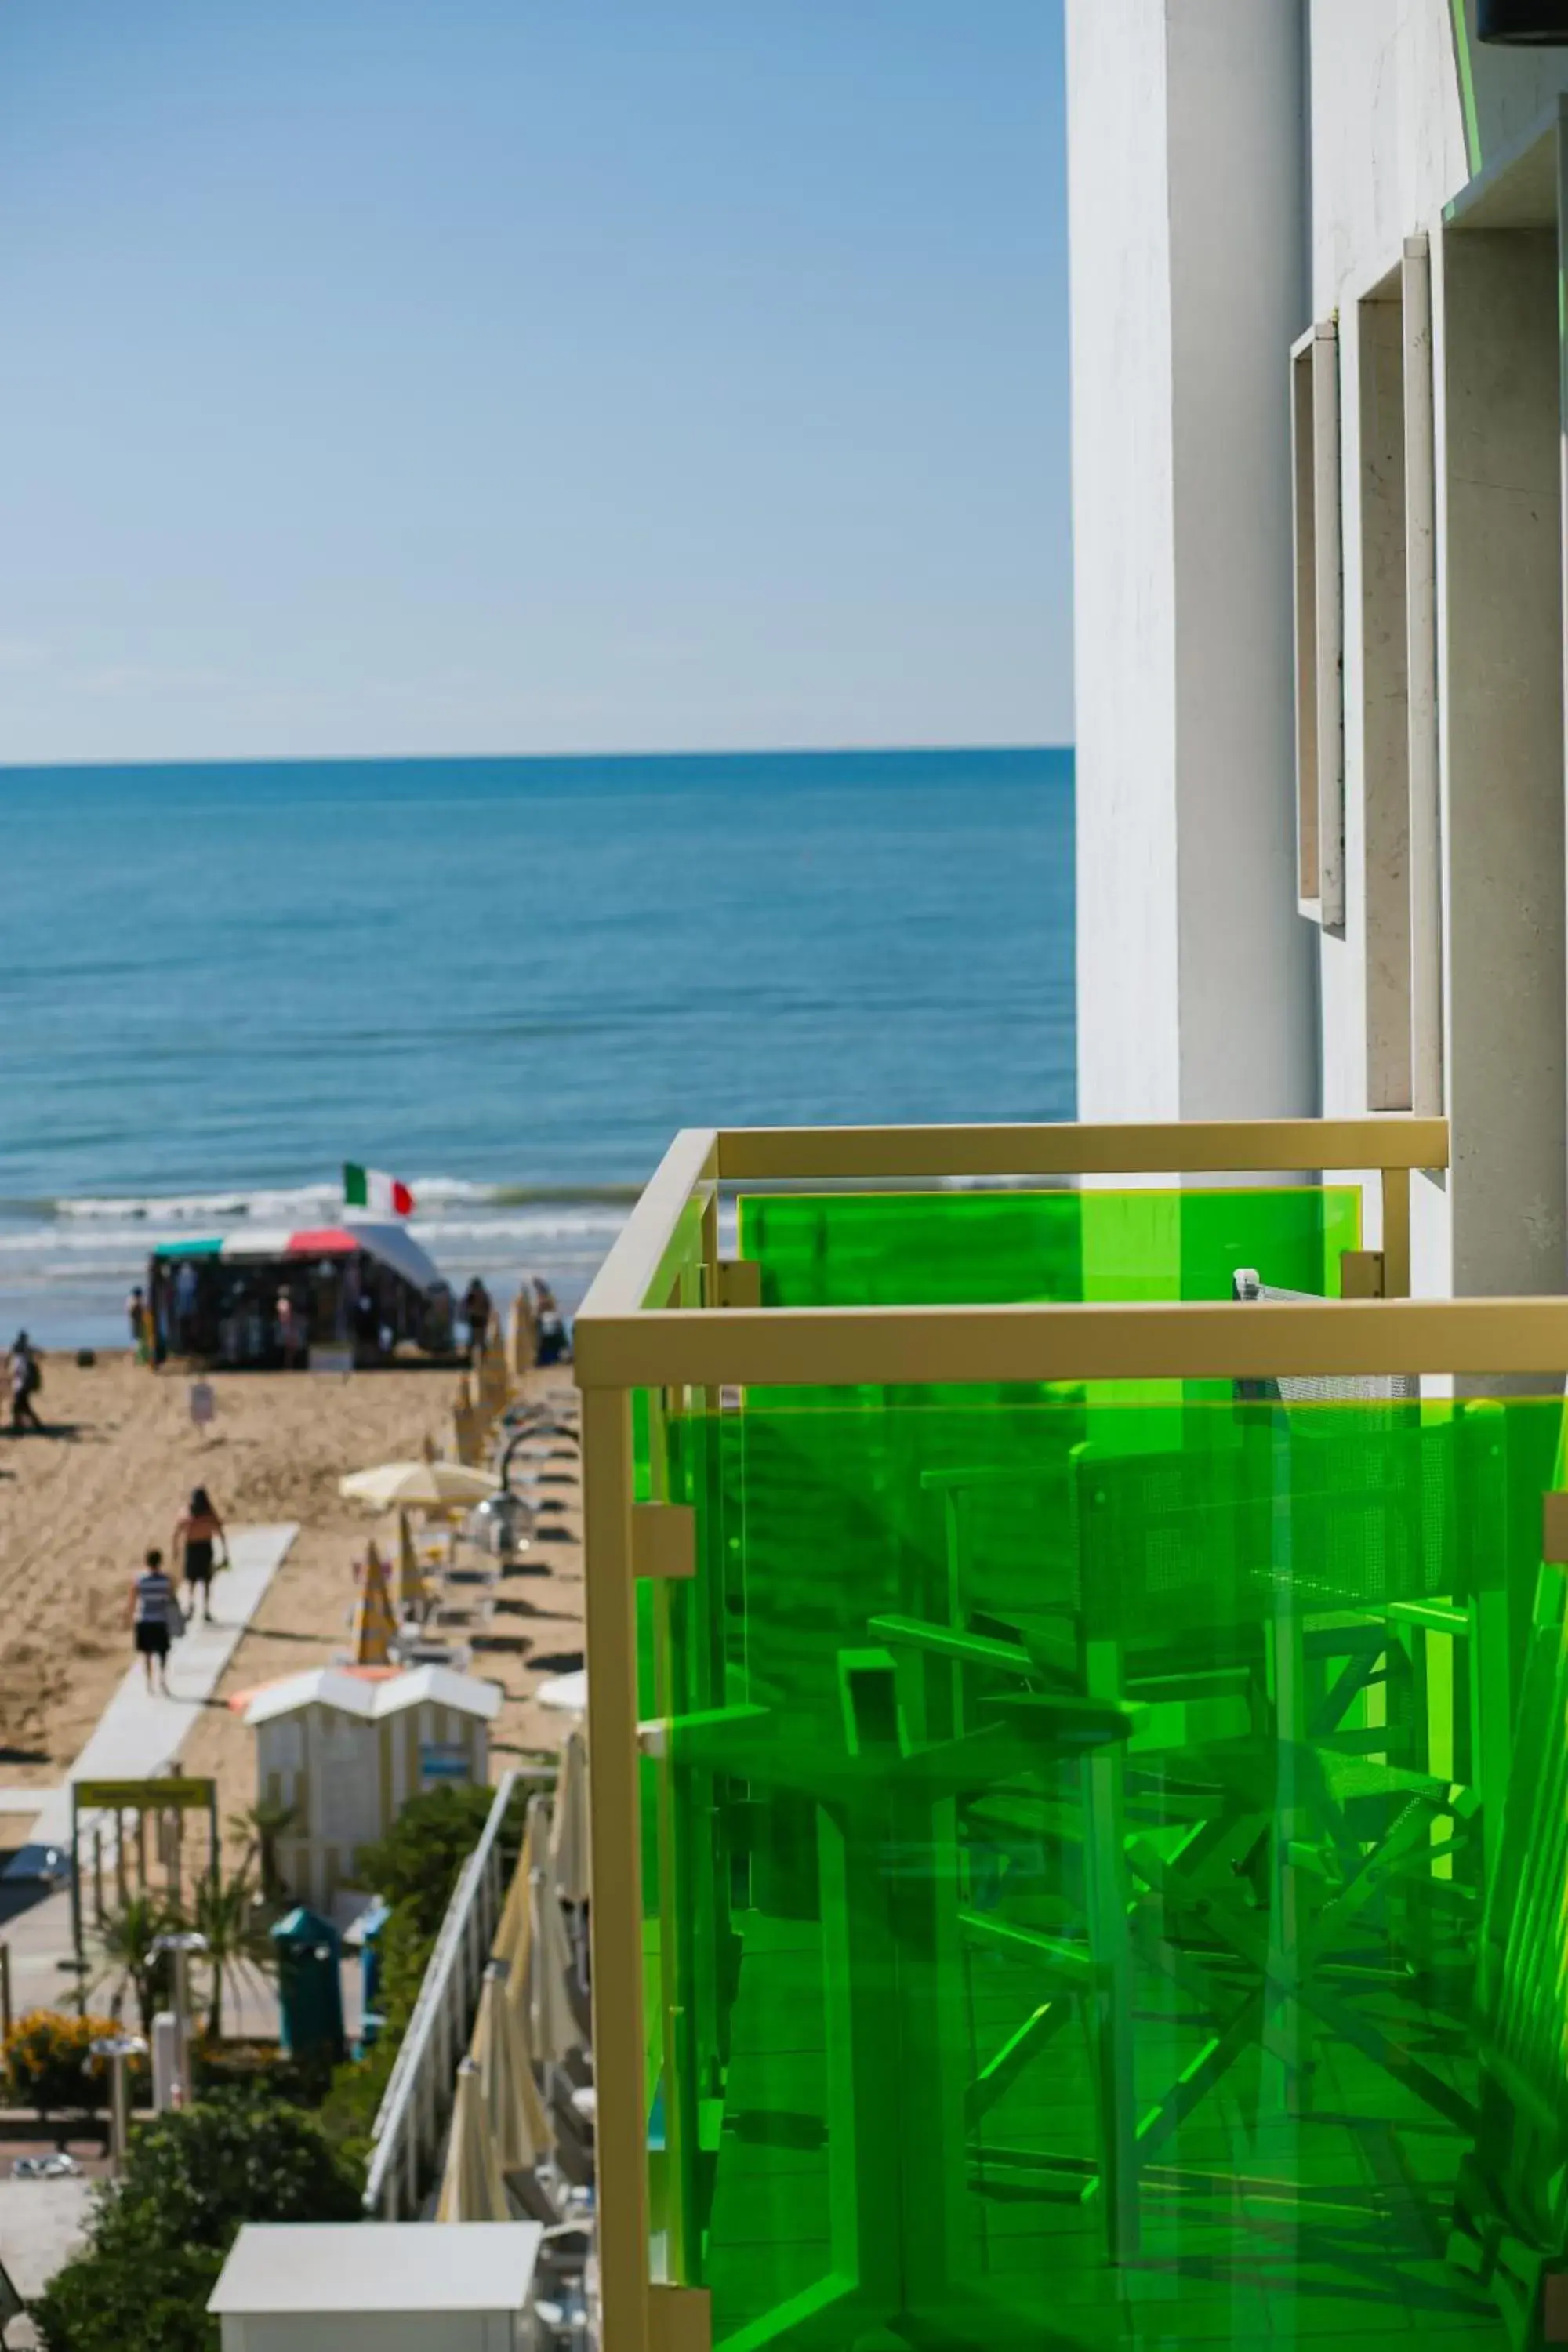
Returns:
(396,2286)
(355,1293)
(347,1748)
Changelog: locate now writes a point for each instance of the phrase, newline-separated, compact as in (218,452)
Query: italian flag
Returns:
(382,1195)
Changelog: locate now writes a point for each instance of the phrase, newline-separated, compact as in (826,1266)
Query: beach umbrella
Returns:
(495,1386)
(467,1423)
(418,1487)
(410,1580)
(554,2030)
(569,1822)
(519,2127)
(514,1936)
(568,1694)
(375,1626)
(510,1943)
(472,2189)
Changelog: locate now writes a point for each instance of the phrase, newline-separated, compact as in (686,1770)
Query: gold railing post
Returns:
(621,2122)
(1397,1232)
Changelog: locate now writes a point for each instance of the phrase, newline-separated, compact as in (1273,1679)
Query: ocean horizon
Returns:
(507,981)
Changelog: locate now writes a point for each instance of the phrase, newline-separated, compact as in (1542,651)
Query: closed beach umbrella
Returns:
(522,2051)
(555,2030)
(375,1625)
(511,1940)
(512,2105)
(514,1936)
(472,2189)
(568,1826)
(410,1582)
(418,1487)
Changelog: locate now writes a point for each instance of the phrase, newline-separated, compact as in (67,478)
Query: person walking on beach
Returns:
(195,1536)
(154,1613)
(26,1379)
(477,1314)
(550,1327)
(137,1318)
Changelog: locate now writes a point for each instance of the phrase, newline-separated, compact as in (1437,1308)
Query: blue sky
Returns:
(416,376)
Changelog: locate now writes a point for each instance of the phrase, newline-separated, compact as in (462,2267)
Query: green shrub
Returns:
(157,2240)
(193,2176)
(261,2068)
(49,2065)
(349,2110)
(415,1866)
(125,2302)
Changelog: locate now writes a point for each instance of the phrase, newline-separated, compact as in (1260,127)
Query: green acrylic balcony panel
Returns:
(1077,1821)
(907,1249)
(1100,1802)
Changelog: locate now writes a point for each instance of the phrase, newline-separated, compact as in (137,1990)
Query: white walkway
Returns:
(41,2225)
(140,1733)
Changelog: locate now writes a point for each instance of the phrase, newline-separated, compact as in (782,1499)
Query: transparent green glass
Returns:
(1108,1870)
(980,1248)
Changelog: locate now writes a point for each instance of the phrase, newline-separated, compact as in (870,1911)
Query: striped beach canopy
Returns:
(393,1244)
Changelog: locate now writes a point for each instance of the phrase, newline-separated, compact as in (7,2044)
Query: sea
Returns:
(508,981)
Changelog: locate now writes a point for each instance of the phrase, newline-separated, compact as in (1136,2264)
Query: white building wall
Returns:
(1236,174)
(1124,561)
(1187,190)
(1390,147)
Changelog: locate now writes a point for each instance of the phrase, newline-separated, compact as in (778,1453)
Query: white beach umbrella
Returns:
(567,1694)
(569,1823)
(554,2028)
(418,1487)
(472,2189)
(516,2112)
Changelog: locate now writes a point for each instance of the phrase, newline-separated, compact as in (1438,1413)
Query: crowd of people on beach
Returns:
(551,1343)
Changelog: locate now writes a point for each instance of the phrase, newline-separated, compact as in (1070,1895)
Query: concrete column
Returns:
(1196,989)
(1503,720)
(1385,713)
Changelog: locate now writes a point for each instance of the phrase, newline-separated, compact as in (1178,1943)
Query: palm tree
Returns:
(258,1829)
(130,1937)
(239,1950)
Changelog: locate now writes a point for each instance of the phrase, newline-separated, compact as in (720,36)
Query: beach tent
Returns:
(216,1295)
(347,1750)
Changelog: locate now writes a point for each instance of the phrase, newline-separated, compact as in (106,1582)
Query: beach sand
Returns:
(77,1508)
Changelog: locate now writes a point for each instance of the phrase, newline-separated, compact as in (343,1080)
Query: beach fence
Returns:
(411,2122)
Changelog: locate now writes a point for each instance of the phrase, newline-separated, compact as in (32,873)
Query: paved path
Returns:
(41,2223)
(140,1733)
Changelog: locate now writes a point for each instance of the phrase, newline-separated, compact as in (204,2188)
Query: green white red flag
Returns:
(377,1194)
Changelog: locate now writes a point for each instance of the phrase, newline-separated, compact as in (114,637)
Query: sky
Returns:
(407,377)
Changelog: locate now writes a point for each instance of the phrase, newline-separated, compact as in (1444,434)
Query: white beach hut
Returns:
(366,2286)
(346,1750)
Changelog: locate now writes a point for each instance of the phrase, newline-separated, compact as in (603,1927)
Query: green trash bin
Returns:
(309,1986)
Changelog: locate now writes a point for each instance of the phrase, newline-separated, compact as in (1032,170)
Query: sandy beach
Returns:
(78,1508)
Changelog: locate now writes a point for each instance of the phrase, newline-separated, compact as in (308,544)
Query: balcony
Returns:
(1079,1754)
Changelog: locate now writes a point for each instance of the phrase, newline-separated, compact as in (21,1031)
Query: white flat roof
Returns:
(288,2269)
